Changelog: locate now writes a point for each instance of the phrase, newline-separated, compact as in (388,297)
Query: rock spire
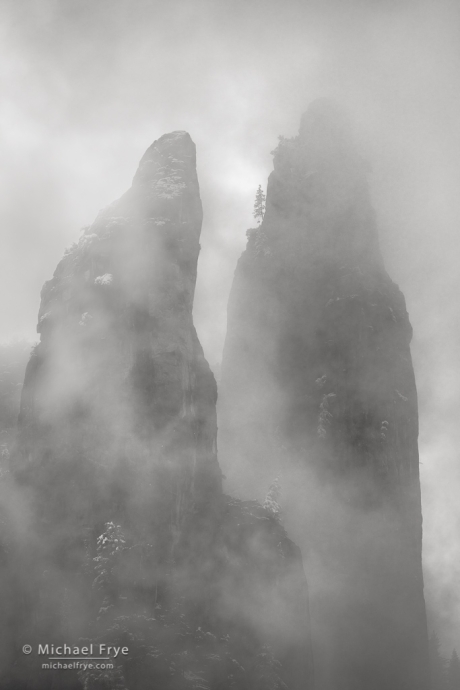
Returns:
(318,389)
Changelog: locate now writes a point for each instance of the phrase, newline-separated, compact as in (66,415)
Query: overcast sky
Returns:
(87,85)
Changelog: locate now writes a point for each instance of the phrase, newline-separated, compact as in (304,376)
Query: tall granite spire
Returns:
(318,389)
(119,360)
(130,540)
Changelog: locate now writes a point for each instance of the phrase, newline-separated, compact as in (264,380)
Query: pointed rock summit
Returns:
(119,359)
(318,389)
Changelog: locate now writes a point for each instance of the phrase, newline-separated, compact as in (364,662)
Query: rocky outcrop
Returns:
(119,365)
(318,388)
(133,542)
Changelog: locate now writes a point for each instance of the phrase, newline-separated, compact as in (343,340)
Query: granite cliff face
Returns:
(131,540)
(318,388)
(119,379)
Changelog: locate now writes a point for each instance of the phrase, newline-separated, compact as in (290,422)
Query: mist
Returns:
(87,87)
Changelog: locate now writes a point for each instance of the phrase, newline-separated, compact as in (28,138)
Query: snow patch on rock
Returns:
(105,279)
